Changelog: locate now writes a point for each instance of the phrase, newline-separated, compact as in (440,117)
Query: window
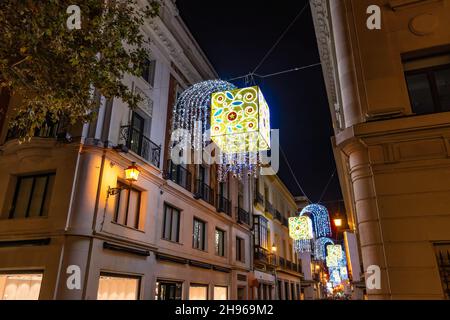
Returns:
(280,292)
(198,292)
(286,291)
(428,83)
(148,71)
(293,295)
(220,293)
(261,232)
(171,224)
(220,243)
(112,287)
(167,290)
(199,235)
(240,249)
(128,205)
(240,194)
(32,196)
(20,286)
(241,293)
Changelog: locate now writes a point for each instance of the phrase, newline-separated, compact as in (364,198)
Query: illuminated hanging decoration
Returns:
(240,121)
(320,218)
(191,112)
(343,262)
(240,127)
(303,246)
(334,256)
(335,276)
(343,273)
(320,248)
(300,228)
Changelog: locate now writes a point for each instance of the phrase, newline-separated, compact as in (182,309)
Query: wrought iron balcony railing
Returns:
(259,199)
(47,130)
(270,209)
(223,205)
(242,216)
(204,192)
(179,175)
(282,262)
(285,222)
(137,142)
(289,265)
(278,215)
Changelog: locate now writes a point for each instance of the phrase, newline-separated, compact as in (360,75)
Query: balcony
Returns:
(137,142)
(289,265)
(47,130)
(204,192)
(277,215)
(269,208)
(223,205)
(282,262)
(242,216)
(285,222)
(179,175)
(259,199)
(263,256)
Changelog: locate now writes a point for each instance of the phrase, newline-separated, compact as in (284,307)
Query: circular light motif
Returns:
(232,116)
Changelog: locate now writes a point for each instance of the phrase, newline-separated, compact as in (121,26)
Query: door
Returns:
(137,133)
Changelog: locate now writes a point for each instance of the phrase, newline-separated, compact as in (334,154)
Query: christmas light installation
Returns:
(300,228)
(334,256)
(237,110)
(240,127)
(343,273)
(320,250)
(335,276)
(320,218)
(303,246)
(240,121)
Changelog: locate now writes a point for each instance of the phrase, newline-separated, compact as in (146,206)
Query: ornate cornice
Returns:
(323,27)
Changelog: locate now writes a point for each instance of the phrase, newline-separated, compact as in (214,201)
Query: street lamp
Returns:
(338,222)
(131,175)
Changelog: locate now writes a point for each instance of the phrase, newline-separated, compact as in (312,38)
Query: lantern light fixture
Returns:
(338,222)
(274,248)
(131,175)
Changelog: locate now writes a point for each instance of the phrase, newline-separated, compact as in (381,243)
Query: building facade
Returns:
(72,227)
(277,268)
(388,91)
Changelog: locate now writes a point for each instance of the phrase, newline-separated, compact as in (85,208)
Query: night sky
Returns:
(235,35)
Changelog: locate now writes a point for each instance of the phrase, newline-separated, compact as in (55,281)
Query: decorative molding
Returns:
(127,249)
(323,27)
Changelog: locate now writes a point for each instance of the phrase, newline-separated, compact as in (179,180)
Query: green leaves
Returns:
(54,68)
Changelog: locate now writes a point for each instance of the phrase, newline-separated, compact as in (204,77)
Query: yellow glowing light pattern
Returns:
(300,228)
(334,255)
(240,121)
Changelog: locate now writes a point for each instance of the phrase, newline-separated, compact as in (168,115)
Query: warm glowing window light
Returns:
(240,121)
(300,228)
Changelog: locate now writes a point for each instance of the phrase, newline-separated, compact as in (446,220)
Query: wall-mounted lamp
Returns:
(131,175)
(274,248)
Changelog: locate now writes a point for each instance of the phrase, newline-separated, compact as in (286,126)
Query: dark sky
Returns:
(235,35)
